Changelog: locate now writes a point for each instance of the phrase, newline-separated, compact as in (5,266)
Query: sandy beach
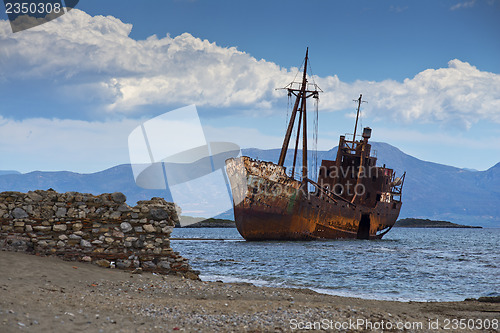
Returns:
(46,294)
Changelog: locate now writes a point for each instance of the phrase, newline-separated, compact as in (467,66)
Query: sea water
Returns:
(407,264)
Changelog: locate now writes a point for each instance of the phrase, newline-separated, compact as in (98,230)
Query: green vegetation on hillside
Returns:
(421,223)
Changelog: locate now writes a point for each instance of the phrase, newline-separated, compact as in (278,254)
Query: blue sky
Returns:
(74,88)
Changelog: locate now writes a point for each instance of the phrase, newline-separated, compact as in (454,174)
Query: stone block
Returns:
(126,227)
(149,228)
(42,228)
(85,243)
(77,226)
(158,214)
(102,263)
(118,197)
(19,213)
(61,212)
(60,227)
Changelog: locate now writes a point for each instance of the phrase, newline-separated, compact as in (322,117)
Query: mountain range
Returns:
(431,190)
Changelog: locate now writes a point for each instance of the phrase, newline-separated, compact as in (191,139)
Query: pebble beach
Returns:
(47,294)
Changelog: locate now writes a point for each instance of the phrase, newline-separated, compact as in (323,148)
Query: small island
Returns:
(200,222)
(426,223)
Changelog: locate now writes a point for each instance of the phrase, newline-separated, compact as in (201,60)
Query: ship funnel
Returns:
(367,133)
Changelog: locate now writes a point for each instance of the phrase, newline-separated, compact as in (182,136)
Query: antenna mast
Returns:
(357,114)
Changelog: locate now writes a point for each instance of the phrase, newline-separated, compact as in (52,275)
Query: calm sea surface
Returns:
(408,264)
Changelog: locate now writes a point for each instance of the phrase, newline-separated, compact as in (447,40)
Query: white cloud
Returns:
(94,56)
(459,94)
(466,4)
(129,73)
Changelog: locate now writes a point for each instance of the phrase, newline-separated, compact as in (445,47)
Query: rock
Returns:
(61,212)
(167,230)
(123,264)
(489,299)
(102,263)
(86,259)
(60,227)
(149,228)
(34,196)
(148,265)
(42,228)
(191,275)
(115,215)
(158,214)
(118,197)
(19,245)
(164,264)
(124,208)
(125,226)
(77,226)
(85,243)
(19,213)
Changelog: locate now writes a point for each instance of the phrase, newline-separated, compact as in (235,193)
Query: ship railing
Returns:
(295,175)
(328,193)
(397,188)
(350,146)
(297,86)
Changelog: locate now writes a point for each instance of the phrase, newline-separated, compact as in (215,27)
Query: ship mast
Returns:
(357,114)
(301,94)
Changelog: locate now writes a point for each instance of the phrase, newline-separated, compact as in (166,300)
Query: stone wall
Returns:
(100,229)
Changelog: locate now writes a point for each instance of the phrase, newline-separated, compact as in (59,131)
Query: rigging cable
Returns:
(314,172)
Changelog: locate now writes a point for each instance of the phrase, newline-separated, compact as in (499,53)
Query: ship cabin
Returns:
(354,175)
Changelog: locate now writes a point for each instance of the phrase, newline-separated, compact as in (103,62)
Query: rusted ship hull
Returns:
(269,205)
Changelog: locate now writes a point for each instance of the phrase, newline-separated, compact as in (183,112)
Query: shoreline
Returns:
(49,294)
(321,291)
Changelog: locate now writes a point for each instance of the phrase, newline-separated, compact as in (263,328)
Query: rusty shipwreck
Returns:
(352,197)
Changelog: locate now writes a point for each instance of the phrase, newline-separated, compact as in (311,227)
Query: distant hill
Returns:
(115,179)
(431,191)
(9,172)
(421,223)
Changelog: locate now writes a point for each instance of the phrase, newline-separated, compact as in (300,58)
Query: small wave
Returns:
(233,279)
